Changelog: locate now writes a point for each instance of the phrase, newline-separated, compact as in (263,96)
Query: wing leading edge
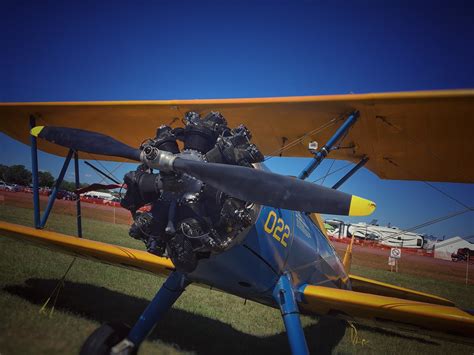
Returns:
(89,249)
(388,312)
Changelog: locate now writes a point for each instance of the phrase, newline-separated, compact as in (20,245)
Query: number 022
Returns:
(277,228)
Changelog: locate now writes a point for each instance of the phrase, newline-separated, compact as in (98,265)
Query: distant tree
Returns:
(45,179)
(3,170)
(70,186)
(18,174)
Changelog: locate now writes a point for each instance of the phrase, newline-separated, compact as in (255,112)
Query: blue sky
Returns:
(114,50)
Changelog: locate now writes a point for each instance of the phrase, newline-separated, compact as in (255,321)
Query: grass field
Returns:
(202,321)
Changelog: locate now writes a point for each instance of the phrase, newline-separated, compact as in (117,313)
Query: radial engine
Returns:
(178,216)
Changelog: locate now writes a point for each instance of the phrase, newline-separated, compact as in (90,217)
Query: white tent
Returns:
(98,194)
(444,249)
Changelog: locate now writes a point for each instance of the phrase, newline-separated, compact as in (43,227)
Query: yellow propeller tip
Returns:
(361,206)
(35,131)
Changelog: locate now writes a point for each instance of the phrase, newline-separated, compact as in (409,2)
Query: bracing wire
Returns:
(103,167)
(430,185)
(308,134)
(333,172)
(327,173)
(55,293)
(428,223)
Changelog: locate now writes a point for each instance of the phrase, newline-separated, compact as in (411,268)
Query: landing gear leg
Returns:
(285,298)
(164,299)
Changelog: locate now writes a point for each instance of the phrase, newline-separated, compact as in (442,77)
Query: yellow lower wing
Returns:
(386,311)
(89,249)
(365,285)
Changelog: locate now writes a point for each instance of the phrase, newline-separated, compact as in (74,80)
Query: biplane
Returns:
(218,217)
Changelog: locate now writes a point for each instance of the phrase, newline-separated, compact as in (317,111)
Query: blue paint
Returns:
(55,190)
(240,271)
(284,296)
(34,172)
(324,151)
(161,303)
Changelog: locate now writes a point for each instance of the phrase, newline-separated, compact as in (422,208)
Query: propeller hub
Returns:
(157,159)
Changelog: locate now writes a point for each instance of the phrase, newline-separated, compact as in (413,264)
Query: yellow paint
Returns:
(444,319)
(285,235)
(89,249)
(35,131)
(271,216)
(347,262)
(278,226)
(278,229)
(316,218)
(385,289)
(361,206)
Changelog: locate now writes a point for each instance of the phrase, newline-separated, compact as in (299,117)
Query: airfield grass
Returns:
(202,321)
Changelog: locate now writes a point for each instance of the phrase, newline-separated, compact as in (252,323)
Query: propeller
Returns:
(86,141)
(244,183)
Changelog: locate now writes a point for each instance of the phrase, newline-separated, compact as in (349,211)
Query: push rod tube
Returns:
(324,151)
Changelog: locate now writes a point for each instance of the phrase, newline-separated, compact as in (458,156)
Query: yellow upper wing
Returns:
(89,249)
(408,136)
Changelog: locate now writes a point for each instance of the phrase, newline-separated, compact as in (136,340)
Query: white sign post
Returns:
(395,254)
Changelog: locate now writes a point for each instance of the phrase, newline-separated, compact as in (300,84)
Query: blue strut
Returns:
(161,303)
(324,151)
(34,172)
(356,168)
(285,297)
(55,190)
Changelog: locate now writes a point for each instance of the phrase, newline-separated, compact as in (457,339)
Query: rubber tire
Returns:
(104,338)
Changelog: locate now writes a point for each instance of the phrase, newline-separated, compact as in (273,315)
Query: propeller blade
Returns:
(275,190)
(244,183)
(86,141)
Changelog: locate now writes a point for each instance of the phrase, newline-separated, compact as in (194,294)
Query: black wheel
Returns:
(104,338)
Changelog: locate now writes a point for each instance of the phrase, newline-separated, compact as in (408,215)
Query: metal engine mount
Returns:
(177,215)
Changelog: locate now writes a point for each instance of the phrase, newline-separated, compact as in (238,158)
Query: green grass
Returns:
(202,321)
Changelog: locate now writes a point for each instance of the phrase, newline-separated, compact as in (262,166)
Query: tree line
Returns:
(20,175)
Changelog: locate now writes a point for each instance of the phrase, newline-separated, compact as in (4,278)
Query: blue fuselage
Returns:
(281,241)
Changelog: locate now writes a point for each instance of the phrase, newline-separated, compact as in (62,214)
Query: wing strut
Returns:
(169,292)
(284,296)
(324,151)
(40,221)
(351,172)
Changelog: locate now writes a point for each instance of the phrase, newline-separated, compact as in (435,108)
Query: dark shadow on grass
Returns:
(185,330)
